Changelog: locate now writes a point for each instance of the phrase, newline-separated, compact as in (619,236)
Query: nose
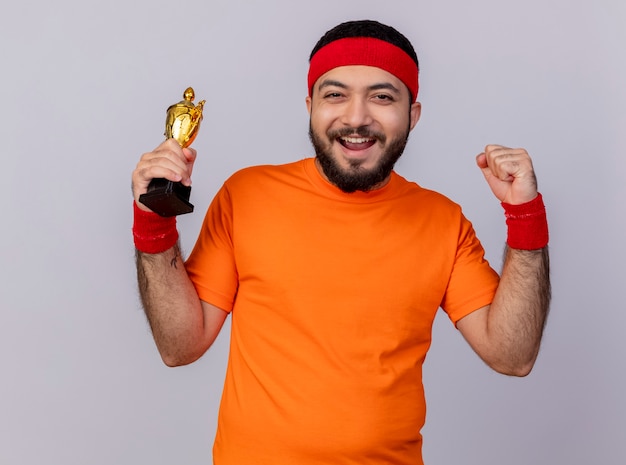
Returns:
(356,113)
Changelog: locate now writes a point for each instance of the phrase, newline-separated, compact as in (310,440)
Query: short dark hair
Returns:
(367,28)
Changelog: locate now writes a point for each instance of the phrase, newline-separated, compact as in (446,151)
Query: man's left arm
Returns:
(507,334)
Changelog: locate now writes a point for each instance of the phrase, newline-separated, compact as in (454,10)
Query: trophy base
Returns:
(167,198)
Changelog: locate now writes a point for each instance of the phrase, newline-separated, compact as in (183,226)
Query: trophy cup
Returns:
(168,198)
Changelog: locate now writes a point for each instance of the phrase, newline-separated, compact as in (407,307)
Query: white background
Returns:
(84,88)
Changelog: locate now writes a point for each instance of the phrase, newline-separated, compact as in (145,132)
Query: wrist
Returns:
(527,224)
(153,233)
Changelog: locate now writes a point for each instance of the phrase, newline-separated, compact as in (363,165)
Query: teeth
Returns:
(355,140)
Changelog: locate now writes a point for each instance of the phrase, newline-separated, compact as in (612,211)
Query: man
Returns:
(334,267)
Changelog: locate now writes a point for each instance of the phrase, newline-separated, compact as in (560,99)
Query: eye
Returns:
(384,98)
(332,95)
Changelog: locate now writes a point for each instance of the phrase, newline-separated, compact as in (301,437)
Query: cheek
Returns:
(322,119)
(396,123)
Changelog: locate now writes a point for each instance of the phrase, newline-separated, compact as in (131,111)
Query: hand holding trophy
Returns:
(168,198)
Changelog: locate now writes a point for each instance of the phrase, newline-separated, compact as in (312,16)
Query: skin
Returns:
(505,334)
(183,326)
(360,97)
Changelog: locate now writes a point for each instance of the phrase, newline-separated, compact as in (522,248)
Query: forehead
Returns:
(358,77)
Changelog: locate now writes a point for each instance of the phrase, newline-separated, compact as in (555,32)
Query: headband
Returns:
(366,51)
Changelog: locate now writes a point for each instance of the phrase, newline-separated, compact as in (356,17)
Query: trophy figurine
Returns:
(165,197)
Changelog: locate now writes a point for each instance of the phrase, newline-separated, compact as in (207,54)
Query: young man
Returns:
(334,267)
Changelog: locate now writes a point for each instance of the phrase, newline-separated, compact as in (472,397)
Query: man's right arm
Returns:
(183,326)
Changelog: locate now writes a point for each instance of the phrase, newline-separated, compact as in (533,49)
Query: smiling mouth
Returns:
(356,142)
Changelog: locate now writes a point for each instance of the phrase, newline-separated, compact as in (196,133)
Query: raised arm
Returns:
(183,326)
(507,334)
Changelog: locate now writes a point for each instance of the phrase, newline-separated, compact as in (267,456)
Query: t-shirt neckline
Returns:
(330,190)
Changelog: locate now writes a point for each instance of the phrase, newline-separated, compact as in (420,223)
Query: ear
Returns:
(415,113)
(308,104)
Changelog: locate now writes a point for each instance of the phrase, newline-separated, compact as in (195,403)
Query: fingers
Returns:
(190,157)
(506,163)
(509,172)
(169,160)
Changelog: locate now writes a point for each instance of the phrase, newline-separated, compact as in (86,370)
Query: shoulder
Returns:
(424,198)
(264,182)
(264,173)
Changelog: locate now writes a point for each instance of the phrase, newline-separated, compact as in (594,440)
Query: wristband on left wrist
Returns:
(527,224)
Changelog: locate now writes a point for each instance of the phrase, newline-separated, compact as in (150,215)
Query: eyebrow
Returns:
(331,83)
(378,86)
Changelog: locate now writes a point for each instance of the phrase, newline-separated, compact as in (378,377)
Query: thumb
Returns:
(481,162)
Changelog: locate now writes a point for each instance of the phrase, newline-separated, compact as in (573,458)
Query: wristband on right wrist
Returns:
(527,224)
(153,233)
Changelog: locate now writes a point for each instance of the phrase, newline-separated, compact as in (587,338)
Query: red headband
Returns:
(365,51)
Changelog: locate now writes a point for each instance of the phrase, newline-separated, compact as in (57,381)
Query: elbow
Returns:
(517,369)
(176,352)
(520,371)
(173,360)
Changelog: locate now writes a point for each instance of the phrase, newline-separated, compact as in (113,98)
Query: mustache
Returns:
(361,131)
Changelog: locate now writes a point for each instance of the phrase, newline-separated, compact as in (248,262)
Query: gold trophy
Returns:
(165,197)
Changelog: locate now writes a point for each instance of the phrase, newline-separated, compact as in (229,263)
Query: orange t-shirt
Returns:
(333,297)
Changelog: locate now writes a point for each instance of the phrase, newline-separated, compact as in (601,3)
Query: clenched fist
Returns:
(169,160)
(509,173)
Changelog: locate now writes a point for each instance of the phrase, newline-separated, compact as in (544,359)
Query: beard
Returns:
(356,178)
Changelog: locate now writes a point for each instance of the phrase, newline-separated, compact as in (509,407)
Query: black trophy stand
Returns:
(167,198)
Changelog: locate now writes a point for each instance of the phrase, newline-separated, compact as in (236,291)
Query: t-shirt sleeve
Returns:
(473,282)
(211,265)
